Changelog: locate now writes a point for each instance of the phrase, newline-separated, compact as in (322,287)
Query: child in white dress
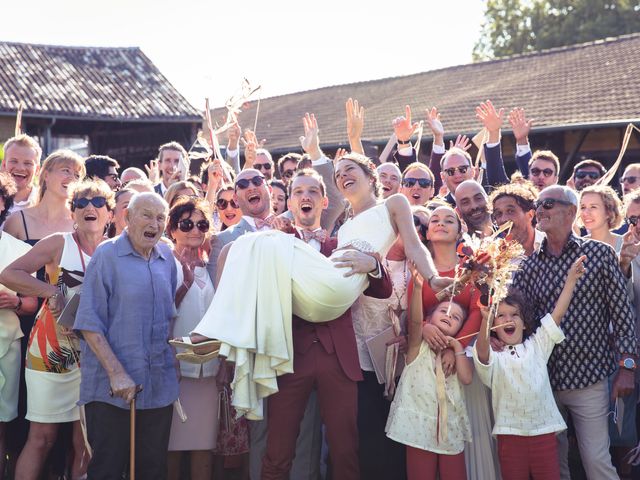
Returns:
(526,416)
(428,413)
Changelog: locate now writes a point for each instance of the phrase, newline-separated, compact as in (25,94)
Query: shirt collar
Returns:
(572,242)
(124,247)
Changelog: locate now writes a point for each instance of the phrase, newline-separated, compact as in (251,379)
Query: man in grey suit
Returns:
(253,196)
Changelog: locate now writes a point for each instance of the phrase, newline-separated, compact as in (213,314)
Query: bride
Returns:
(282,275)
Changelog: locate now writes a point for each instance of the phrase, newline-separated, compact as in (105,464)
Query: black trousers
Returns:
(108,433)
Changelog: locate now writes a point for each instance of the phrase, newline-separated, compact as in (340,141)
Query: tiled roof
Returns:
(595,82)
(87,82)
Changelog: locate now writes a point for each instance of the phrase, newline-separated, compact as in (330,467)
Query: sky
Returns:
(206,48)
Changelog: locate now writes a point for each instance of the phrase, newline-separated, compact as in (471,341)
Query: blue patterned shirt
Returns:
(130,300)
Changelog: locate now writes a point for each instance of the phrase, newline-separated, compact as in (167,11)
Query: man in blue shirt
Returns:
(124,316)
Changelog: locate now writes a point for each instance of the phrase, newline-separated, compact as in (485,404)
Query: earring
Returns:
(75,226)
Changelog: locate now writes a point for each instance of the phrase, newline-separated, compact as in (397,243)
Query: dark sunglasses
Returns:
(592,175)
(462,169)
(422,229)
(288,173)
(222,204)
(547,172)
(97,202)
(549,203)
(260,166)
(187,225)
(630,180)
(632,220)
(423,182)
(244,183)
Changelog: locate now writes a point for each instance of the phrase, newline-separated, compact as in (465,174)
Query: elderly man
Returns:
(125,312)
(104,168)
(390,176)
(473,206)
(22,161)
(132,173)
(579,366)
(417,184)
(544,168)
(173,163)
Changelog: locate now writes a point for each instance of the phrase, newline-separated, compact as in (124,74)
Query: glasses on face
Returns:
(97,202)
(422,229)
(462,169)
(547,172)
(187,225)
(288,173)
(113,176)
(633,220)
(222,204)
(244,183)
(582,174)
(423,182)
(262,166)
(630,179)
(549,203)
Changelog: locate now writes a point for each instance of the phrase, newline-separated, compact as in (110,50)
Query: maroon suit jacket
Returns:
(338,335)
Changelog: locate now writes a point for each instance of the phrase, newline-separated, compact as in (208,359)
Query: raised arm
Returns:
(232,154)
(521,128)
(437,147)
(355,125)
(482,340)
(404,130)
(575,272)
(491,119)
(416,318)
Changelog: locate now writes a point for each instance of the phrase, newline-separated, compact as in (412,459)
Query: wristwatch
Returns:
(628,363)
(404,142)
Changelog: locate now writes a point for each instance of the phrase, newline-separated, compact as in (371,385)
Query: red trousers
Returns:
(425,465)
(529,457)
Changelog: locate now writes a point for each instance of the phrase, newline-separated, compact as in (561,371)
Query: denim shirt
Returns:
(130,300)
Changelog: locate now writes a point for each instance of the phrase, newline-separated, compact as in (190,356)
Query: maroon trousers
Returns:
(338,401)
(425,465)
(529,457)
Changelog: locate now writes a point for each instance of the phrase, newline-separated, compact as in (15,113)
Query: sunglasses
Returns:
(591,175)
(452,171)
(547,172)
(97,202)
(633,220)
(222,204)
(244,183)
(261,166)
(549,203)
(187,225)
(629,179)
(422,229)
(288,173)
(423,182)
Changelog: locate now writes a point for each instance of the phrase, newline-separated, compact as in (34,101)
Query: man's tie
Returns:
(260,224)
(320,235)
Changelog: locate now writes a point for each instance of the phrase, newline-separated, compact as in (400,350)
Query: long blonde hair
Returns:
(57,158)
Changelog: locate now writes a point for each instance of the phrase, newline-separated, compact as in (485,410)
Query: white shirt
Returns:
(252,223)
(522,399)
(29,202)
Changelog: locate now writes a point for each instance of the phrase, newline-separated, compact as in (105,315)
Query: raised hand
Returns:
(233,136)
(520,125)
(251,144)
(630,250)
(341,152)
(462,141)
(310,141)
(355,125)
(576,270)
(153,172)
(437,130)
(491,119)
(402,126)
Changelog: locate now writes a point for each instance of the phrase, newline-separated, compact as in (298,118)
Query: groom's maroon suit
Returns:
(325,358)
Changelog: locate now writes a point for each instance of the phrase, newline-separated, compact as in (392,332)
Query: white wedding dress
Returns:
(270,276)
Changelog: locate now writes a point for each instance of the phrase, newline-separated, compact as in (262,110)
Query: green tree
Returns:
(520,26)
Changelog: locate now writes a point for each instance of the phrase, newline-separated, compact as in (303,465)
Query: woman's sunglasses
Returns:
(187,225)
(244,183)
(97,202)
(222,204)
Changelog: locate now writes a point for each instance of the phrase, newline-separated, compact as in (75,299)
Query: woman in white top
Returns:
(526,415)
(189,228)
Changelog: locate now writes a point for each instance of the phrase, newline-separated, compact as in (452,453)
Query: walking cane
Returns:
(132,440)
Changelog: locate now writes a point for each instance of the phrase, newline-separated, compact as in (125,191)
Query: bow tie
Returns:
(320,235)
(260,224)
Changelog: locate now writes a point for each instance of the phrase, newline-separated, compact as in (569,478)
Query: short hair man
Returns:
(456,167)
(105,168)
(173,163)
(473,203)
(579,367)
(22,161)
(287,166)
(132,173)
(124,316)
(417,184)
(515,203)
(264,163)
(544,168)
(587,172)
(390,176)
(630,179)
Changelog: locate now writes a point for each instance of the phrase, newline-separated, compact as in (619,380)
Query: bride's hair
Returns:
(369,169)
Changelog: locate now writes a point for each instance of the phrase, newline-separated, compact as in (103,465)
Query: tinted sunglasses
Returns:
(97,202)
(632,220)
(288,173)
(422,229)
(629,179)
(549,203)
(592,175)
(222,204)
(244,183)
(423,182)
(187,225)
(260,166)
(452,171)
(547,172)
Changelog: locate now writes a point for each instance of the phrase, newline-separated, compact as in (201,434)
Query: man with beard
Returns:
(390,176)
(585,173)
(544,167)
(417,184)
(22,161)
(630,179)
(472,202)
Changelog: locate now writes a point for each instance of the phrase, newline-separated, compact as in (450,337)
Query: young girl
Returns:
(526,416)
(428,413)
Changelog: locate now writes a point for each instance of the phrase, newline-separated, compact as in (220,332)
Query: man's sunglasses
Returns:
(423,182)
(452,171)
(288,173)
(222,204)
(547,172)
(260,166)
(422,229)
(549,203)
(97,202)
(592,175)
(187,225)
(633,220)
(244,183)
(629,179)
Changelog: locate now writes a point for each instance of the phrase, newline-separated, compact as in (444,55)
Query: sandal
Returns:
(185,342)
(191,357)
